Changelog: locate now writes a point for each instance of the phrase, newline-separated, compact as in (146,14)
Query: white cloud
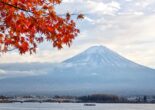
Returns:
(129,0)
(103,8)
(89,19)
(138,13)
(143,3)
(2,71)
(25,69)
(89,6)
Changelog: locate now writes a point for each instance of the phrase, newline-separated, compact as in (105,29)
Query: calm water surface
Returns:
(75,106)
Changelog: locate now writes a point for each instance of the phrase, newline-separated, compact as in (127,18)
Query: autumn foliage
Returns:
(26,23)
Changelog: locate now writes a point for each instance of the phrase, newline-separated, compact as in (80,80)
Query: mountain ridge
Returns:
(96,70)
(103,53)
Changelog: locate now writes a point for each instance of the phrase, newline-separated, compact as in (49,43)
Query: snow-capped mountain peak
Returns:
(96,50)
(99,56)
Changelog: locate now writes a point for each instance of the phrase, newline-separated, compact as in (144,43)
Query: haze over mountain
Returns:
(96,70)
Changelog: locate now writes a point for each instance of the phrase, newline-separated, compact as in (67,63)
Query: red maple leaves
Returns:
(26,23)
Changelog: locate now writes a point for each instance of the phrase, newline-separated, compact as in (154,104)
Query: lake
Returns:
(74,106)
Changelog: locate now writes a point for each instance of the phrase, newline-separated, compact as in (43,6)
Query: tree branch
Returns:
(29,10)
(15,6)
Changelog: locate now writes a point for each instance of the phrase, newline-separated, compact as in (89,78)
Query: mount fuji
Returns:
(96,70)
(100,56)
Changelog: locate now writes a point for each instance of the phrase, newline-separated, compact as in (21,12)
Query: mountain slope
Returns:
(99,55)
(96,70)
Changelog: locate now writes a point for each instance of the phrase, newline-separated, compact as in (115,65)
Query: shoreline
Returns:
(95,98)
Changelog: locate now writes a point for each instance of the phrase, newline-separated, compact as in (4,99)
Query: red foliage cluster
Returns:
(26,23)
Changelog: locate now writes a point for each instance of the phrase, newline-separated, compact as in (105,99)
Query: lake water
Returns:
(75,106)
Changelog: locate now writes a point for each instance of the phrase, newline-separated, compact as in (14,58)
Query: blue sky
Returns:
(125,26)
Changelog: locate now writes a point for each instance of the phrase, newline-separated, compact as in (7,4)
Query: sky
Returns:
(125,26)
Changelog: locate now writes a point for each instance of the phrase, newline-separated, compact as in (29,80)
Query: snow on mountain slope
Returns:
(96,70)
(100,56)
